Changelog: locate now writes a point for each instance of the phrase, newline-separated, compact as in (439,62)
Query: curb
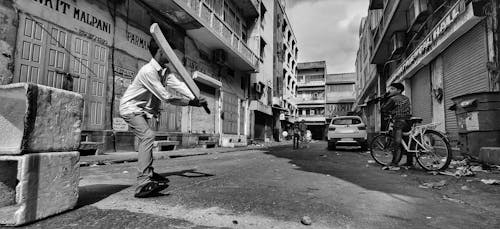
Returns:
(99,162)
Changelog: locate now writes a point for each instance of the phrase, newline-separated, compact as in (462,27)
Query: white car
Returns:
(347,131)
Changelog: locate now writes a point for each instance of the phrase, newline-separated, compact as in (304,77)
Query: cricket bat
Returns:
(163,43)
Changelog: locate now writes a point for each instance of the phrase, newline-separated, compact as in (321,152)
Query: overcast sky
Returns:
(327,30)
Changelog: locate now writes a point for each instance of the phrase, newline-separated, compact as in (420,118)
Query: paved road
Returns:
(275,189)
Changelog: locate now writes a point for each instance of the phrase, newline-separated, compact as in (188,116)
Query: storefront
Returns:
(67,46)
(450,61)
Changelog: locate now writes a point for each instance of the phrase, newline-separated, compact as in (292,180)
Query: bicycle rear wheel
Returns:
(381,150)
(436,154)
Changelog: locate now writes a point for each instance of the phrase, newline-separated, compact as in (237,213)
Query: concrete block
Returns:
(490,155)
(36,118)
(164,145)
(35,186)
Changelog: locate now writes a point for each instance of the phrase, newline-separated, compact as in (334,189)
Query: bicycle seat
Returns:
(414,120)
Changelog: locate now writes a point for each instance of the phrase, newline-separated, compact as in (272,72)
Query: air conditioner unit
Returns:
(420,11)
(397,43)
(220,56)
(258,87)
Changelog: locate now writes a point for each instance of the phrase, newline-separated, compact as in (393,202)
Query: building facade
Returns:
(438,50)
(285,69)
(96,48)
(311,96)
(340,94)
(368,81)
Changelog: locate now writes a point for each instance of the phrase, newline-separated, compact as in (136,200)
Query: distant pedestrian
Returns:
(140,102)
(296,135)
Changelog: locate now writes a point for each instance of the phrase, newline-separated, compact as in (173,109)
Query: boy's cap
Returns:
(398,86)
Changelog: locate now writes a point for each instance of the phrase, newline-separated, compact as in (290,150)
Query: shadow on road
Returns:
(348,164)
(189,173)
(91,194)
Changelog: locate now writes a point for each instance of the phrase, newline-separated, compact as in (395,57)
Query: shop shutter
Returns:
(230,109)
(421,95)
(201,122)
(464,71)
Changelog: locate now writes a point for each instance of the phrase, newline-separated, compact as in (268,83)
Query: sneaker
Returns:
(159,178)
(149,188)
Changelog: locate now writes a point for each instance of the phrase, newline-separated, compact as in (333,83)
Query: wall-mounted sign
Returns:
(81,17)
(132,40)
(338,109)
(119,124)
(429,43)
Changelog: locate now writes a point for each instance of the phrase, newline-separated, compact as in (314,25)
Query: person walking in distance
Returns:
(398,106)
(296,135)
(140,102)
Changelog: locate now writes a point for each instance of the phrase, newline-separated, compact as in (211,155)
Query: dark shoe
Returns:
(149,188)
(159,178)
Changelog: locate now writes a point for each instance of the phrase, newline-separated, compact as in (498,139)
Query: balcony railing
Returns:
(224,31)
(385,20)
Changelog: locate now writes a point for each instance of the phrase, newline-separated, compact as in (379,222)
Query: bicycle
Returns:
(431,148)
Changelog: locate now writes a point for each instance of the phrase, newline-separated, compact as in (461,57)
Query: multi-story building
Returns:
(96,48)
(368,81)
(311,96)
(261,95)
(285,69)
(340,94)
(439,49)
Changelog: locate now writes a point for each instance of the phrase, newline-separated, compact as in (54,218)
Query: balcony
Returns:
(206,27)
(310,84)
(249,8)
(302,101)
(376,4)
(393,20)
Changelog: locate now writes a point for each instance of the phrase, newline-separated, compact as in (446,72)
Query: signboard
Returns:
(86,19)
(132,40)
(429,43)
(119,124)
(338,109)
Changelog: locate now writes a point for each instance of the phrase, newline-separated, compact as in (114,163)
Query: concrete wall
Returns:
(8,34)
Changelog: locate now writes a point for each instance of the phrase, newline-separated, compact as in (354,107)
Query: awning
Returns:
(203,78)
(259,106)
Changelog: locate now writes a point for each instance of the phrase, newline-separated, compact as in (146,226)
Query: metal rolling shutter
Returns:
(421,95)
(464,71)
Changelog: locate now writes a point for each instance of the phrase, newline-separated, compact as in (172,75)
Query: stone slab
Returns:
(164,144)
(490,155)
(36,118)
(37,185)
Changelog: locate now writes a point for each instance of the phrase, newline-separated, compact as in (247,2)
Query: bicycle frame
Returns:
(416,135)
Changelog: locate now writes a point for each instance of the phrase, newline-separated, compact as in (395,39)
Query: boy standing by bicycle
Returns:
(398,106)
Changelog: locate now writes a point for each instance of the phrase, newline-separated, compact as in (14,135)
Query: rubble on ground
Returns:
(434,185)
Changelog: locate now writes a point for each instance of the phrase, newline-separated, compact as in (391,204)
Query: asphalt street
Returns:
(276,188)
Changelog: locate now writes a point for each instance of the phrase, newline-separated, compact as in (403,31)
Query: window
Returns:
(263,11)
(283,28)
(244,35)
(262,48)
(346,121)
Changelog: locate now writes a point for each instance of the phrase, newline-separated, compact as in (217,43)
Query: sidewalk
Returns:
(130,156)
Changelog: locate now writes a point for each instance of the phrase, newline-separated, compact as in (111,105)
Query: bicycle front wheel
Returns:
(381,150)
(436,151)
